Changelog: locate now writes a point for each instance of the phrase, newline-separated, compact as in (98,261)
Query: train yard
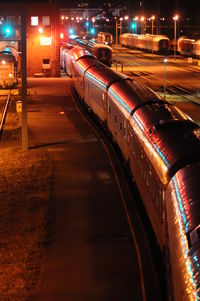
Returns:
(181,79)
(62,112)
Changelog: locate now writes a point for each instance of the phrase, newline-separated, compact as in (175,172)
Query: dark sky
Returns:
(186,8)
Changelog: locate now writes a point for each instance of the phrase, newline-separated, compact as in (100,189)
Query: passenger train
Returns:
(152,43)
(189,46)
(162,147)
(101,51)
(9,65)
(105,38)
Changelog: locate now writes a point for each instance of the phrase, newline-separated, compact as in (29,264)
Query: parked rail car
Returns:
(9,67)
(162,147)
(151,43)
(105,38)
(188,46)
(101,51)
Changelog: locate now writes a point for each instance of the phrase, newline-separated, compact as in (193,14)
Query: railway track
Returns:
(4,104)
(174,91)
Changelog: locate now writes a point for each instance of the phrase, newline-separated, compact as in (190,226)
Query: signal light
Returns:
(6,30)
(71,31)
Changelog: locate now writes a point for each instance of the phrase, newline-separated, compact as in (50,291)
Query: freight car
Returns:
(162,147)
(9,65)
(151,43)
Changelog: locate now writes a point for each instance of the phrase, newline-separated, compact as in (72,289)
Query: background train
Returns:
(189,46)
(104,38)
(162,147)
(152,43)
(101,51)
(9,67)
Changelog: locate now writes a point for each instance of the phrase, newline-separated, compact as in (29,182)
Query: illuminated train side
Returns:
(101,51)
(148,42)
(9,67)
(188,46)
(162,147)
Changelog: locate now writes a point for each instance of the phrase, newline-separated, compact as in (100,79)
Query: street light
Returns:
(152,19)
(165,62)
(176,17)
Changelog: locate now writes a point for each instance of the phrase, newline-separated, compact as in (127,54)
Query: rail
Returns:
(4,115)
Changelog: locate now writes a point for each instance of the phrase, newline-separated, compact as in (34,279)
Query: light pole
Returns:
(135,19)
(120,20)
(165,62)
(116,31)
(142,25)
(93,20)
(176,17)
(152,19)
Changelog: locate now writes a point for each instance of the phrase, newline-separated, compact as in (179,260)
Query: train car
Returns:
(189,46)
(151,43)
(105,38)
(162,147)
(197,48)
(63,54)
(101,51)
(9,67)
(186,46)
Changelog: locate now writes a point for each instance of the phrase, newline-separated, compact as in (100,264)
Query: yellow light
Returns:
(153,18)
(3,62)
(142,19)
(126,17)
(10,75)
(176,17)
(40,30)
(62,17)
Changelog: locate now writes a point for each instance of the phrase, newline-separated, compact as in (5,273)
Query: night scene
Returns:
(100,150)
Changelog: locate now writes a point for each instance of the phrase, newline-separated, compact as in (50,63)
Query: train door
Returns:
(104,56)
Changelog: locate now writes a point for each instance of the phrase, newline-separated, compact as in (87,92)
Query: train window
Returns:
(115,118)
(120,127)
(194,236)
(46,20)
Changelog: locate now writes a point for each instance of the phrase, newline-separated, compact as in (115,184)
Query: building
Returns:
(42,31)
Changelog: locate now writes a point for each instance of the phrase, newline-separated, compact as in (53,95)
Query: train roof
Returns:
(10,51)
(104,32)
(79,52)
(103,76)
(171,143)
(185,189)
(132,94)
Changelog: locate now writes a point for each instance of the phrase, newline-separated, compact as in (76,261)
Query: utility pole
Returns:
(24,83)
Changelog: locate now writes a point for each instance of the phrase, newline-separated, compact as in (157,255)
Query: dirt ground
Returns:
(25,202)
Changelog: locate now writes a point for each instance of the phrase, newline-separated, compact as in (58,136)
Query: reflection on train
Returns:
(189,46)
(162,147)
(105,38)
(101,51)
(9,64)
(152,43)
